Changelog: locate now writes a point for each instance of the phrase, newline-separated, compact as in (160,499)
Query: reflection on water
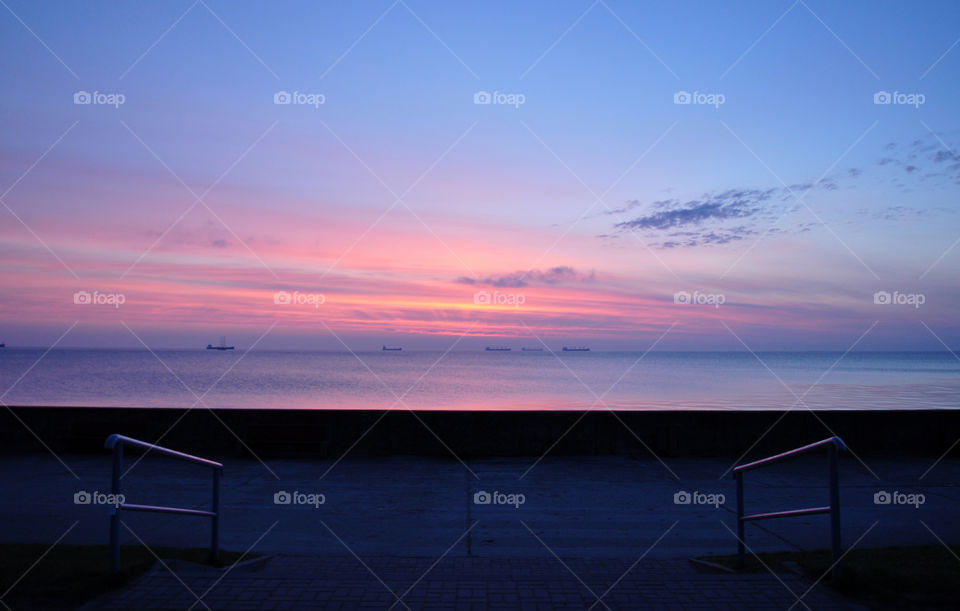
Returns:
(483,380)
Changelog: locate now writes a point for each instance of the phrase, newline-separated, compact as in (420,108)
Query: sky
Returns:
(629,176)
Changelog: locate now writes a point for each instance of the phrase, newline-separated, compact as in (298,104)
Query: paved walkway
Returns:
(309,582)
(606,507)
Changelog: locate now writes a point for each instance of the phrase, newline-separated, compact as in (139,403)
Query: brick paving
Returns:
(466,583)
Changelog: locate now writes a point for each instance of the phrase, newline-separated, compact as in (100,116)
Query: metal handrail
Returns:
(834,445)
(117,443)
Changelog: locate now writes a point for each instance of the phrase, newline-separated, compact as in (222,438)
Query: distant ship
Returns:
(223,344)
(498,349)
(532,349)
(576,349)
(385,349)
(3,345)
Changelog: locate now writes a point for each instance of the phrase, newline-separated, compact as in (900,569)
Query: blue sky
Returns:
(712,193)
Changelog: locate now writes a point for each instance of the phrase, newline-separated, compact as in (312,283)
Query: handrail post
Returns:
(835,510)
(215,523)
(115,512)
(741,548)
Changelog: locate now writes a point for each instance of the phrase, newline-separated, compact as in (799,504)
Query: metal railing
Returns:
(834,445)
(117,443)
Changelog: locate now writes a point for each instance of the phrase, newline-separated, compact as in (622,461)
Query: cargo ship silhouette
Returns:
(223,344)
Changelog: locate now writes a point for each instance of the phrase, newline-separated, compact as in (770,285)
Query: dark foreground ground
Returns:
(411,528)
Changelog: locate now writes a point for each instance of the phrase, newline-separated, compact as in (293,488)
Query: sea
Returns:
(480,380)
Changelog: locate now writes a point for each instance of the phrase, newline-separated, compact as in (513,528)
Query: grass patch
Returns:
(71,575)
(908,577)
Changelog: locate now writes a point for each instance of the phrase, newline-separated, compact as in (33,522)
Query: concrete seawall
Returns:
(279,432)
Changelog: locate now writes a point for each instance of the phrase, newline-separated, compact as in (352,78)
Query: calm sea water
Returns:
(480,380)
